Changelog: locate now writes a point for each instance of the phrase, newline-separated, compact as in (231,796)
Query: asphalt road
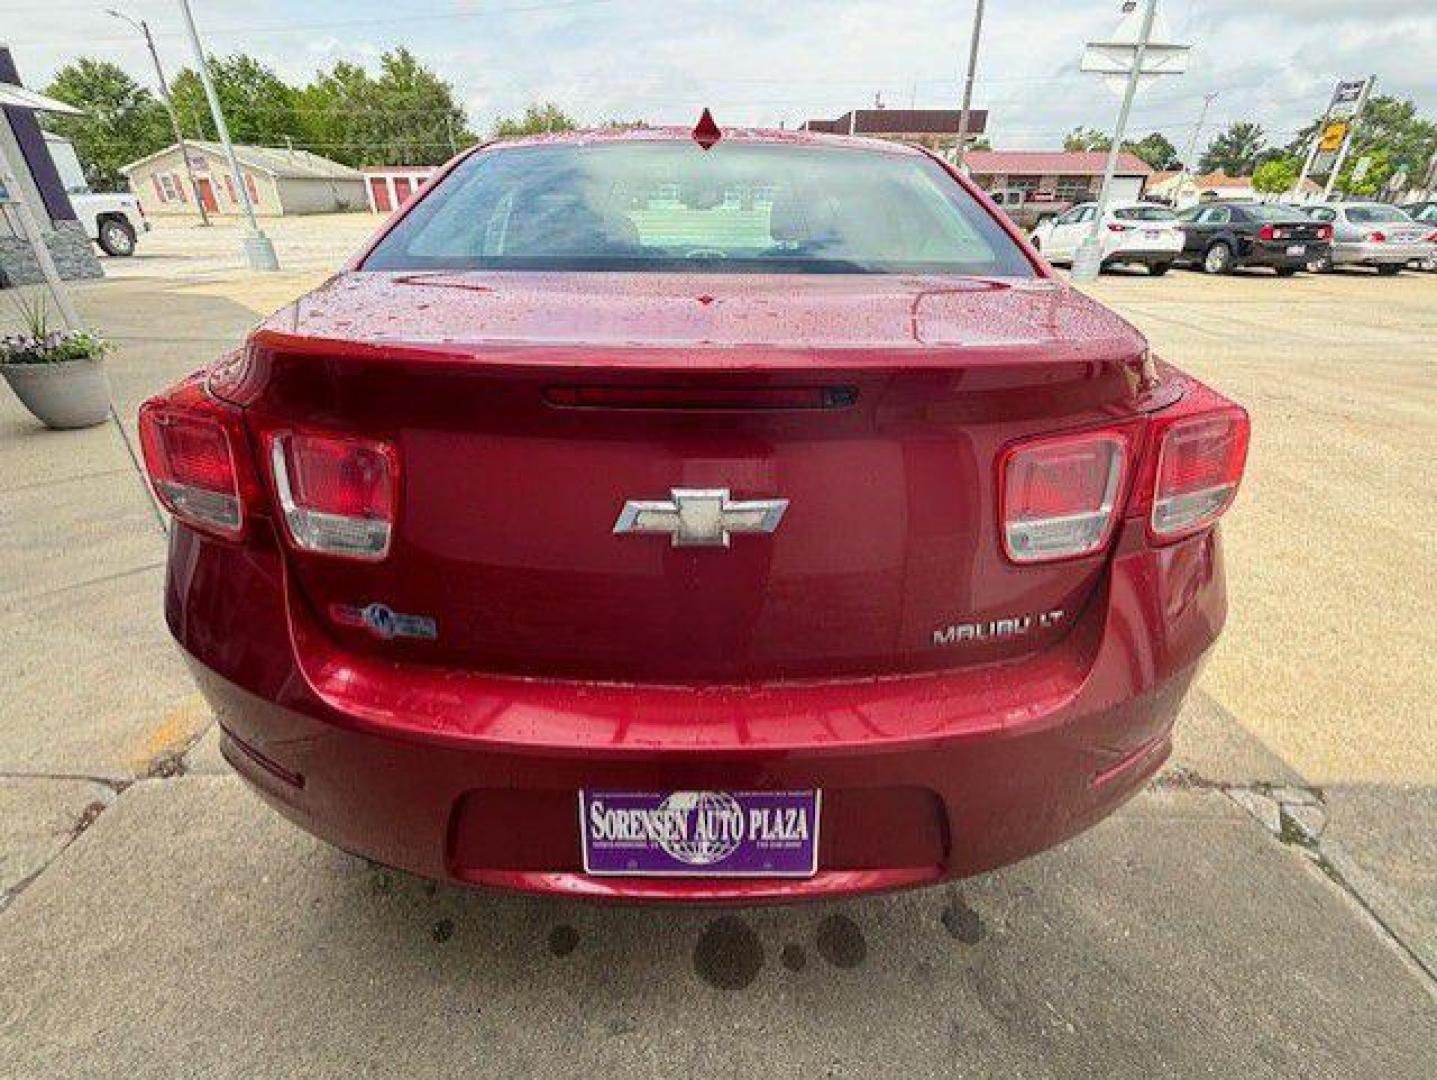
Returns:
(1266,909)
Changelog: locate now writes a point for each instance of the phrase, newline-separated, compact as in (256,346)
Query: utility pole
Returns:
(966,112)
(144,28)
(1188,164)
(1088,261)
(258,249)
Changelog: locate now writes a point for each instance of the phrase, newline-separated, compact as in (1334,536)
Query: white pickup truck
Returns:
(115,221)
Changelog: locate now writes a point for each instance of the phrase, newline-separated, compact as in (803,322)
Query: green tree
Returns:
(1156,150)
(1083,138)
(406,116)
(337,111)
(537,119)
(259,106)
(1276,176)
(1236,150)
(122,121)
(1375,175)
(417,120)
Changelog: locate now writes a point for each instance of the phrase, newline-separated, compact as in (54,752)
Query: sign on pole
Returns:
(1330,144)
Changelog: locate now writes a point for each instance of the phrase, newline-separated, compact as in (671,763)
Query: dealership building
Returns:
(28,172)
(936,129)
(1058,176)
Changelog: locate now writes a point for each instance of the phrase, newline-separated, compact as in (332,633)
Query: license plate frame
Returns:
(667,839)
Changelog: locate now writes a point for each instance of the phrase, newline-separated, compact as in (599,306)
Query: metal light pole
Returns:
(258,249)
(967,110)
(1088,261)
(144,28)
(54,283)
(1169,59)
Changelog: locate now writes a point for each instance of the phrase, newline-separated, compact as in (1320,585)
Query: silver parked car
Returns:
(1373,234)
(1426,212)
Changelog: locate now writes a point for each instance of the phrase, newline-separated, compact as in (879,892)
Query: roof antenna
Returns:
(706,131)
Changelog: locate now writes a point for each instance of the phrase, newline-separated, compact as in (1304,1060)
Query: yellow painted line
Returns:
(175,731)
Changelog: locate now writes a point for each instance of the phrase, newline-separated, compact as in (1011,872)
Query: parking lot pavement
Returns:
(1265,909)
(188,931)
(180,247)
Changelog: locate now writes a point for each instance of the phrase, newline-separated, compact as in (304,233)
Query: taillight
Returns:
(1113,226)
(1200,464)
(190,456)
(336,492)
(1324,232)
(1377,237)
(1059,496)
(1267,234)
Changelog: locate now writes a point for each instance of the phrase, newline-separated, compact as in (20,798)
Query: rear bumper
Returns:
(1275,255)
(1145,256)
(1380,254)
(473,779)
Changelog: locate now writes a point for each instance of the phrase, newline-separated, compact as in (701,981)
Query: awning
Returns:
(20,98)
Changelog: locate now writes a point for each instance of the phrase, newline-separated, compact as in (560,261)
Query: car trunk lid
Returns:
(527,411)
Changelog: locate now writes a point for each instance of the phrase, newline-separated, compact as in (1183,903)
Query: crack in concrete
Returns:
(88,816)
(1296,815)
(167,766)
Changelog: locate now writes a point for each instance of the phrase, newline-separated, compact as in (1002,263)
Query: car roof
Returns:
(674,133)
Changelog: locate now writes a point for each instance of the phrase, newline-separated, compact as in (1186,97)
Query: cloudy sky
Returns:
(771,61)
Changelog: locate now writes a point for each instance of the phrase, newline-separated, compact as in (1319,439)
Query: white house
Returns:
(280,180)
(1184,189)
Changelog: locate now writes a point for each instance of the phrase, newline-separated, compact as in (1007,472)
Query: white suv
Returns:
(1132,232)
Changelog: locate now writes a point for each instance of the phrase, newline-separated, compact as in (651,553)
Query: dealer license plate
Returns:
(700,833)
(1297,249)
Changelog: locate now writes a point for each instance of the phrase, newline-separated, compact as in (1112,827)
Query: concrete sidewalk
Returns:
(155,919)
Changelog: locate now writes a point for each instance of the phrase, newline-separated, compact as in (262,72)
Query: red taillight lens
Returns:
(337,493)
(191,462)
(1325,232)
(1267,234)
(1200,464)
(1113,226)
(1377,237)
(1059,496)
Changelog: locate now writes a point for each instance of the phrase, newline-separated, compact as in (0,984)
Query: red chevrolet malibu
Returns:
(719,519)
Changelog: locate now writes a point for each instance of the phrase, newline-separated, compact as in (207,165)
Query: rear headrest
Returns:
(804,218)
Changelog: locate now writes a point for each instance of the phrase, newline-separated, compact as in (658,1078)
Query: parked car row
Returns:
(1225,236)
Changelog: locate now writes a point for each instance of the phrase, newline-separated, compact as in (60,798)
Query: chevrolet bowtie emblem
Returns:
(700,517)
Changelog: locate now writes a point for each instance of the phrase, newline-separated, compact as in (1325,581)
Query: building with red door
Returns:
(389,187)
(280,180)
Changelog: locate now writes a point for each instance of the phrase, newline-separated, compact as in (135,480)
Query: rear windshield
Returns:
(1364,215)
(1272,212)
(1144,213)
(671,206)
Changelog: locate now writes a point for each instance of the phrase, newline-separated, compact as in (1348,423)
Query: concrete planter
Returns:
(69,394)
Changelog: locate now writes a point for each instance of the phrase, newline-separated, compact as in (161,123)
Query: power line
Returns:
(334,24)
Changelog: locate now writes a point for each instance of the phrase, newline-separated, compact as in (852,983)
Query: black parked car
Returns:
(1220,237)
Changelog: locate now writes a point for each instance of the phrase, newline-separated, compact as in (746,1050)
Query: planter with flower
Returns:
(57,374)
